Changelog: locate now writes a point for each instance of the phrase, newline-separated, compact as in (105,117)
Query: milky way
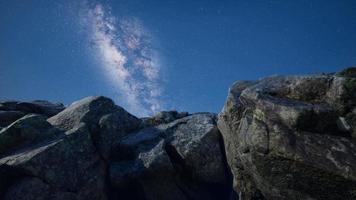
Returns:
(126,53)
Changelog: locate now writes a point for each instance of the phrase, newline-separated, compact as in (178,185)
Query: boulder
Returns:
(38,106)
(107,122)
(183,159)
(162,117)
(88,110)
(66,157)
(70,165)
(283,138)
(28,130)
(198,142)
(113,127)
(96,150)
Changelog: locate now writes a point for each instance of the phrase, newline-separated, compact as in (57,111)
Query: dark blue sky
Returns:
(153,55)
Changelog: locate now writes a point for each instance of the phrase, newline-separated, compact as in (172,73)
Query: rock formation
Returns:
(292,137)
(94,149)
(281,137)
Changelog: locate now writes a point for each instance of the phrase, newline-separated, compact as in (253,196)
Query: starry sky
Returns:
(152,55)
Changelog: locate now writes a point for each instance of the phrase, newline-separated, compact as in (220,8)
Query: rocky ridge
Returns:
(280,137)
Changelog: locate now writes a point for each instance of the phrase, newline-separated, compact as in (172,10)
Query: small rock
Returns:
(343,125)
(162,117)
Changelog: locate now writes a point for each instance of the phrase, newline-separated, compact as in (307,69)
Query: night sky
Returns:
(160,55)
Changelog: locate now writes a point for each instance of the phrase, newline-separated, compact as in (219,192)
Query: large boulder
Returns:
(88,110)
(290,137)
(199,143)
(183,159)
(107,122)
(69,164)
(66,156)
(28,130)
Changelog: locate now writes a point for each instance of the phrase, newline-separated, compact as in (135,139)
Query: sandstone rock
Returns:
(282,138)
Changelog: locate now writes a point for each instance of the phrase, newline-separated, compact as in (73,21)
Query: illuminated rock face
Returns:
(292,137)
(281,137)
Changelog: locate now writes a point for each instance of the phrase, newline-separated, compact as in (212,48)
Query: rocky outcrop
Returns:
(94,149)
(66,157)
(292,137)
(277,138)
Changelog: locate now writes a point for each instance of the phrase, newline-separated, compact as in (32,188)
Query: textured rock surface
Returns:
(183,159)
(66,160)
(107,122)
(39,107)
(27,130)
(162,117)
(277,138)
(89,110)
(94,149)
(68,164)
(290,137)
